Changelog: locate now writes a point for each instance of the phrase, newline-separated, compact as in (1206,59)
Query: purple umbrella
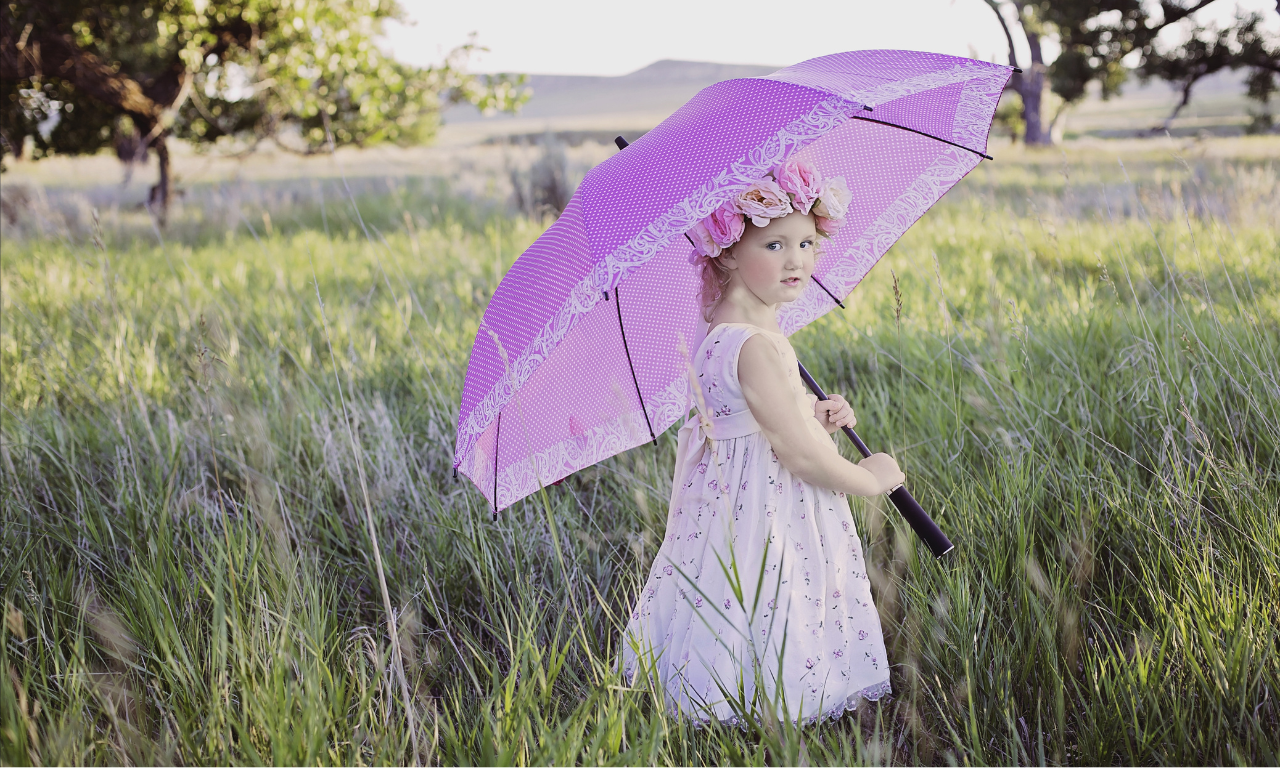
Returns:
(583,350)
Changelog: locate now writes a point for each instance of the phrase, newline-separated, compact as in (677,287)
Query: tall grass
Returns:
(1082,386)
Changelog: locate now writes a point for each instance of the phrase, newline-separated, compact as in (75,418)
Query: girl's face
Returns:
(775,262)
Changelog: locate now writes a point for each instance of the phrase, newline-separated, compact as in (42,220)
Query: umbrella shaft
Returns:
(920,522)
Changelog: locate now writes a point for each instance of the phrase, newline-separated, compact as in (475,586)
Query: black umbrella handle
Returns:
(919,520)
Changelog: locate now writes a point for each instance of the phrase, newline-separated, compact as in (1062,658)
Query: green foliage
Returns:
(1096,39)
(316,65)
(56,117)
(1084,395)
(1008,117)
(204,70)
(1260,121)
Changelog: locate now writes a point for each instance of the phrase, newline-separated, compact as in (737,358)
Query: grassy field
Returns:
(1082,386)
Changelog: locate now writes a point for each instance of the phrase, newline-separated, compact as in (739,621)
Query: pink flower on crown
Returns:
(763,201)
(800,180)
(703,243)
(725,225)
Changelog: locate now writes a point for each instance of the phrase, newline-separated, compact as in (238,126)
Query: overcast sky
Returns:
(595,37)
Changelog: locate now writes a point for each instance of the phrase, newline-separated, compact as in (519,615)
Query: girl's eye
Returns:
(774,246)
(806,244)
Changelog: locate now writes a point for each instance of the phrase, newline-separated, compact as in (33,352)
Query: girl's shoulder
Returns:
(723,344)
(741,331)
(726,336)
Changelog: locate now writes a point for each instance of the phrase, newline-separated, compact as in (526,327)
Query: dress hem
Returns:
(870,693)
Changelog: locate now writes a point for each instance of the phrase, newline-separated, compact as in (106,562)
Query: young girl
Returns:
(758,599)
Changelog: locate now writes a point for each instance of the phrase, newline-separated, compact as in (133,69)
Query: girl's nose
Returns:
(795,259)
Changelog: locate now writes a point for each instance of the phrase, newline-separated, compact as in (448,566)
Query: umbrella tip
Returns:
(869,107)
(621,142)
(1019,71)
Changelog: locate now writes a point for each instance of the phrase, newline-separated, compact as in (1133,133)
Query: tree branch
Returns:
(1008,35)
(1175,13)
(1262,61)
(1186,99)
(170,112)
(307,152)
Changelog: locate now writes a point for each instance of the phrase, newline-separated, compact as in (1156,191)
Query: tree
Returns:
(1208,50)
(1098,37)
(306,74)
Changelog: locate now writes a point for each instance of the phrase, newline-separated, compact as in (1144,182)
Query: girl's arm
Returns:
(764,385)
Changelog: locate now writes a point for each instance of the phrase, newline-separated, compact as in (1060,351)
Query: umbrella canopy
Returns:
(583,351)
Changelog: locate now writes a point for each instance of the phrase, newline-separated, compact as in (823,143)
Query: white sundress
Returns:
(697,632)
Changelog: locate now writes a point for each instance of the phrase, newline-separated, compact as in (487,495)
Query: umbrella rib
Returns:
(497,435)
(617,300)
(829,293)
(922,133)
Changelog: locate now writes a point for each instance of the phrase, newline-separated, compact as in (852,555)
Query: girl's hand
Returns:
(834,413)
(885,469)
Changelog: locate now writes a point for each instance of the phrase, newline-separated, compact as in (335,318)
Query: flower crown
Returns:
(792,186)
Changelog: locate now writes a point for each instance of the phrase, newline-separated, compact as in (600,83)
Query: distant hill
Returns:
(659,88)
(586,108)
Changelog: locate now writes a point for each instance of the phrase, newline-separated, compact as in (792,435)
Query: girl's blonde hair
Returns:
(715,278)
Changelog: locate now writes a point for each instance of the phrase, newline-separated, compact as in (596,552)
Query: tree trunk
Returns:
(1032,95)
(158,200)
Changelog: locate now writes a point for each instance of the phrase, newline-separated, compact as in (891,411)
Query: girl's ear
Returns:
(727,259)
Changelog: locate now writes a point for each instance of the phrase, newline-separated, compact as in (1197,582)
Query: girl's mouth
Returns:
(792,281)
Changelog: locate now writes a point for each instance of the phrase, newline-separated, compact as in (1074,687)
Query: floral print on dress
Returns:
(735,508)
